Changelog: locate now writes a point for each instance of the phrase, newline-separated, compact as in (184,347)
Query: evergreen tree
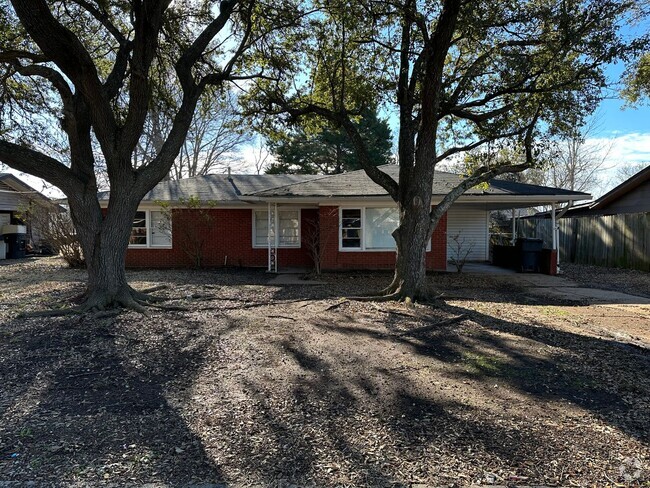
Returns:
(327,149)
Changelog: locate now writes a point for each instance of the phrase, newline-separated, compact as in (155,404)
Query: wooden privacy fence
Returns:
(620,241)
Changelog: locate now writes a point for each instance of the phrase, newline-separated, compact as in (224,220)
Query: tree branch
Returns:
(38,164)
(485,173)
(191,55)
(49,74)
(63,48)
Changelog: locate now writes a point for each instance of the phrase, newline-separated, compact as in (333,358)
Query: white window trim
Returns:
(148,245)
(276,225)
(363,231)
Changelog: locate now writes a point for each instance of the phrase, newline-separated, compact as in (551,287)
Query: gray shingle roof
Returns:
(358,184)
(218,188)
(235,189)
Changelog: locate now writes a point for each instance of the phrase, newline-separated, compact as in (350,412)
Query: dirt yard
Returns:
(255,385)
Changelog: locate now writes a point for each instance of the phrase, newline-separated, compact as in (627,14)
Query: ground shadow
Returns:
(89,399)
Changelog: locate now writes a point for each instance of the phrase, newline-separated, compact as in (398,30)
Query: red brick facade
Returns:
(228,240)
(335,259)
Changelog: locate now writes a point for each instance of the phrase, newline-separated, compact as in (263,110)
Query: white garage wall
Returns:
(471,223)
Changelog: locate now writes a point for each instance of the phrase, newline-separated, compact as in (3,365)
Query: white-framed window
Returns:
(151,228)
(368,229)
(287,223)
(351,228)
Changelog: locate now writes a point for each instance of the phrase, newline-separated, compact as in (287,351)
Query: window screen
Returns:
(161,230)
(139,230)
(287,223)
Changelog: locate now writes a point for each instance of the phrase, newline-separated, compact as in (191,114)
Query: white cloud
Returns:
(624,148)
(619,150)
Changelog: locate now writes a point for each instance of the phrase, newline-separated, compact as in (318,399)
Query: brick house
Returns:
(350,217)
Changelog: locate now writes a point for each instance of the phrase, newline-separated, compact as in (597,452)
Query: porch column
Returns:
(514,228)
(268,236)
(276,238)
(553,227)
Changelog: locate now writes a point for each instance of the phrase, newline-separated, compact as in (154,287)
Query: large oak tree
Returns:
(89,68)
(459,75)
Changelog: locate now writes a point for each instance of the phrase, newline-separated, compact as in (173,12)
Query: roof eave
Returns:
(628,185)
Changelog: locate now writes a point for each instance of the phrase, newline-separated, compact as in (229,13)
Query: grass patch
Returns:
(482,364)
(554,311)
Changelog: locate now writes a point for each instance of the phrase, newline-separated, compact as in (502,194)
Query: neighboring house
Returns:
(630,197)
(353,218)
(16,196)
(612,231)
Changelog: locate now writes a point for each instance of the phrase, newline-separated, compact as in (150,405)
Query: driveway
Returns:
(559,287)
(603,313)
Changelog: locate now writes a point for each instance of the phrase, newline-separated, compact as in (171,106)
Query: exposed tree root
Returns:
(144,295)
(376,298)
(106,304)
(171,308)
(432,325)
(154,288)
(336,305)
(57,312)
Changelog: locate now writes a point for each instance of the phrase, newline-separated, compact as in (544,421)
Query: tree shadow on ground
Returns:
(606,377)
(327,416)
(191,397)
(88,400)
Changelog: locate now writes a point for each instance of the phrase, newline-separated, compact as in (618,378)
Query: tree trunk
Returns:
(104,241)
(412,236)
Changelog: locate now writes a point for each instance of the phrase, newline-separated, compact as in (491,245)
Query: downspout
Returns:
(514,228)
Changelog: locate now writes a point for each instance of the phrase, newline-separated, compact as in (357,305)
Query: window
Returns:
(151,228)
(380,224)
(351,228)
(160,229)
(139,230)
(368,229)
(286,221)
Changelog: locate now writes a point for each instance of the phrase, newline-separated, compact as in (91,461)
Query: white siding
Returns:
(471,223)
(9,198)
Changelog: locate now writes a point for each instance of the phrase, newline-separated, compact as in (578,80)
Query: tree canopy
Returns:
(637,81)
(80,81)
(458,75)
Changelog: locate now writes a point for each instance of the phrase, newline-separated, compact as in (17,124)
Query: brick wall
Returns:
(335,259)
(227,233)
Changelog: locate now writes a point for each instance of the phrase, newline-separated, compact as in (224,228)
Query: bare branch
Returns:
(38,164)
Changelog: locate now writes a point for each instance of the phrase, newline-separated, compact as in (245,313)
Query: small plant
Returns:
(460,251)
(26,433)
(194,227)
(56,230)
(315,242)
